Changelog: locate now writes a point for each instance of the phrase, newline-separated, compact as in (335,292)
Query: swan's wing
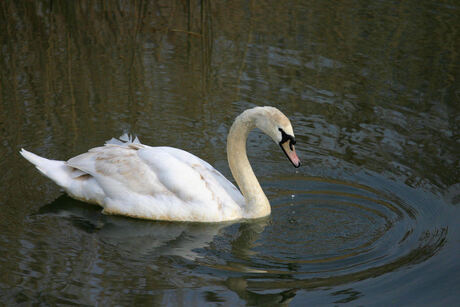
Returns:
(159,183)
(118,165)
(211,172)
(180,170)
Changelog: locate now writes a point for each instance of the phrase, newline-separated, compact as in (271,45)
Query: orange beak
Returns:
(289,150)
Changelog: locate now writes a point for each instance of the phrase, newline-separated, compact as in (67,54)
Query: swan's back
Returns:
(161,183)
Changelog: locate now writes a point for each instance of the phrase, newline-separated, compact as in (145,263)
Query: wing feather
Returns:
(159,182)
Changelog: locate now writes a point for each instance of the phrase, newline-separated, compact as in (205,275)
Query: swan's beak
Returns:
(289,150)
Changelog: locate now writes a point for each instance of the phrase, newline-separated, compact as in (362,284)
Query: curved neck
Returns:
(257,204)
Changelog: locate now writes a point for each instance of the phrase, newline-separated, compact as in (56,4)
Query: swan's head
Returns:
(275,124)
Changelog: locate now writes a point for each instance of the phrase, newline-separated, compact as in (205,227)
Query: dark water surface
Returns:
(372,90)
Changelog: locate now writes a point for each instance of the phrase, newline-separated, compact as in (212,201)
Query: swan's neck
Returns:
(257,204)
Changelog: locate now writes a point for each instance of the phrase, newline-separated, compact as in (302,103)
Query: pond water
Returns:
(371,88)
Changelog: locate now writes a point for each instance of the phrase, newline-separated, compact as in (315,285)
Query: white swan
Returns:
(164,183)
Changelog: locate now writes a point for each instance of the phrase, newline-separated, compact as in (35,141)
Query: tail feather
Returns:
(58,171)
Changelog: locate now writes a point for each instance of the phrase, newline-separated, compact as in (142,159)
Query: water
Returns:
(372,92)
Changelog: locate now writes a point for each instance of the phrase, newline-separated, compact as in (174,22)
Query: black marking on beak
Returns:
(286,137)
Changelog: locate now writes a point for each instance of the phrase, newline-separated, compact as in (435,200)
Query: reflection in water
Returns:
(137,238)
(371,89)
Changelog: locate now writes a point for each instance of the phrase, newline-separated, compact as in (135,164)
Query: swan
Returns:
(128,178)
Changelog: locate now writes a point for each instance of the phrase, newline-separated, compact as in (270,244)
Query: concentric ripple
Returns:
(326,232)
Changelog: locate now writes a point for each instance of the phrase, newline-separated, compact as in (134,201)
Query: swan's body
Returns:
(164,183)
